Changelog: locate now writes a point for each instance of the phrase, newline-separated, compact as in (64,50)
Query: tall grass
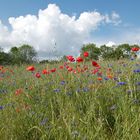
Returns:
(68,106)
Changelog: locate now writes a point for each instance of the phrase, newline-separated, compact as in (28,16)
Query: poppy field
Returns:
(74,100)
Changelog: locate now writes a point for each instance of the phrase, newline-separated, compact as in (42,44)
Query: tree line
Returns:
(26,54)
(18,55)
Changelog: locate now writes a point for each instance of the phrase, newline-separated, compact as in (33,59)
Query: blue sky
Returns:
(128,9)
(128,30)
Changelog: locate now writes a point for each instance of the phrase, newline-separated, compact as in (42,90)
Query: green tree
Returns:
(94,52)
(126,49)
(15,55)
(27,54)
(5,58)
(23,54)
(107,52)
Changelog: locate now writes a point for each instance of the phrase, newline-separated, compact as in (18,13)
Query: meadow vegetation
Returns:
(98,100)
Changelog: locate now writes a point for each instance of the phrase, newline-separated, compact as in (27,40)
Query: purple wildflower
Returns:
(121,83)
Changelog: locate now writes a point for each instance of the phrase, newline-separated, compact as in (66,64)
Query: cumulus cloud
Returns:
(110,44)
(52,32)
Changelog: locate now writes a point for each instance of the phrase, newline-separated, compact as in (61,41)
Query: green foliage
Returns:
(5,58)
(107,52)
(23,54)
(94,52)
(27,54)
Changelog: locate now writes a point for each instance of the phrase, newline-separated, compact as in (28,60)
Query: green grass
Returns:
(81,108)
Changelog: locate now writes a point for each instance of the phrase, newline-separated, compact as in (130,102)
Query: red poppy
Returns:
(99,78)
(45,71)
(79,59)
(70,58)
(70,69)
(110,76)
(53,70)
(95,64)
(38,75)
(95,71)
(74,71)
(135,49)
(30,68)
(67,67)
(86,54)
(61,67)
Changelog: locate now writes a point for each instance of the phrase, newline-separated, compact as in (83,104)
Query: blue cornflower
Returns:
(56,90)
(115,79)
(138,83)
(121,83)
(136,71)
(1,107)
(131,58)
(62,83)
(106,78)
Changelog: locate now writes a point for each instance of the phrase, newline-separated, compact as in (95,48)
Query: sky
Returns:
(61,27)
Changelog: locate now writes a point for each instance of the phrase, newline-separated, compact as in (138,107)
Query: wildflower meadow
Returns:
(74,100)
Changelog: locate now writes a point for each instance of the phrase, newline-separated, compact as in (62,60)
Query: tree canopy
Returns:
(27,54)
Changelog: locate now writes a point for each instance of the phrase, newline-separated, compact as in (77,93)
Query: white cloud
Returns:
(51,27)
(114,18)
(110,44)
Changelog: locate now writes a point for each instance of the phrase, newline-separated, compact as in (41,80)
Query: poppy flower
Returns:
(44,71)
(109,76)
(86,54)
(79,59)
(70,69)
(30,68)
(95,64)
(61,67)
(53,70)
(70,58)
(74,71)
(135,49)
(99,78)
(95,71)
(37,75)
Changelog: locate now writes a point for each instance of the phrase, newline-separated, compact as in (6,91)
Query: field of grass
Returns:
(81,103)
